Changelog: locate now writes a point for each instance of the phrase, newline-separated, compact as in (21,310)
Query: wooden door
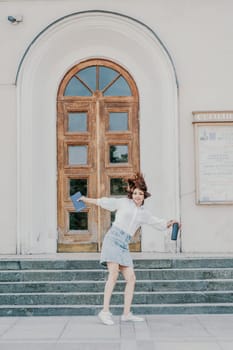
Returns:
(97,146)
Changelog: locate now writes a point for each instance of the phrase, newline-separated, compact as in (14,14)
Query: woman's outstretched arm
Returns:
(88,200)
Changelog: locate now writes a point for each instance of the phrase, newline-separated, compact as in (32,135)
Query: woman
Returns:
(130,215)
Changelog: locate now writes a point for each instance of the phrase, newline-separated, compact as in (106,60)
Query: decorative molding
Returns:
(104,12)
(212,116)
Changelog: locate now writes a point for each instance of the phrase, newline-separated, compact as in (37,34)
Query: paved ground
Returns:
(158,332)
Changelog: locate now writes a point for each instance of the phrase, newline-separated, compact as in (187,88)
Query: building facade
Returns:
(92,91)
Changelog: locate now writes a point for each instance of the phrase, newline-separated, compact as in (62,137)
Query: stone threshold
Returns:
(96,256)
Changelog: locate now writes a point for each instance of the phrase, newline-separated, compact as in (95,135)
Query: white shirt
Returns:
(129,217)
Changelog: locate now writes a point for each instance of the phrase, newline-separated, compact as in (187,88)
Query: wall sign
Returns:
(214,157)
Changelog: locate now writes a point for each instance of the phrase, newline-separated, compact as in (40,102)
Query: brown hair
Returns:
(137,181)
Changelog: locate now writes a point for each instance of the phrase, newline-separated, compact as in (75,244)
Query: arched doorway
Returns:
(154,74)
(97,146)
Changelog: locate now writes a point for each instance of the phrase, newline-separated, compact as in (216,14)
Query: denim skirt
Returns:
(115,248)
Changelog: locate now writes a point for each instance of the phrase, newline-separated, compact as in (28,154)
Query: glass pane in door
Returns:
(78,185)
(77,122)
(117,187)
(119,88)
(88,76)
(106,76)
(77,155)
(76,88)
(118,121)
(118,154)
(78,221)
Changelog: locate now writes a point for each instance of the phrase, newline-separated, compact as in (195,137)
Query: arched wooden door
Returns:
(97,145)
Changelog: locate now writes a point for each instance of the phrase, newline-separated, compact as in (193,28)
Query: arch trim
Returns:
(93,12)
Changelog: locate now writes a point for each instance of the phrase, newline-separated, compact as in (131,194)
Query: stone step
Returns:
(61,264)
(98,286)
(97,275)
(95,298)
(75,287)
(81,310)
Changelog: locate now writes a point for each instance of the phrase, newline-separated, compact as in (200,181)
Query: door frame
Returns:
(98,139)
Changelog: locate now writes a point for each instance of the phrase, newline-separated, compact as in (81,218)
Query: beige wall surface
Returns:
(8,178)
(198,36)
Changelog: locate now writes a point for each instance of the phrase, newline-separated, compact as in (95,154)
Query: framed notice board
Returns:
(213,132)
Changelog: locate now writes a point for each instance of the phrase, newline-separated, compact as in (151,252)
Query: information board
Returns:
(214,162)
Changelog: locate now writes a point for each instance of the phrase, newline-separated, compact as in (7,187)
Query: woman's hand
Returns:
(171,222)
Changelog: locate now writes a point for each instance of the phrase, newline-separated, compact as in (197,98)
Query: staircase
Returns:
(75,287)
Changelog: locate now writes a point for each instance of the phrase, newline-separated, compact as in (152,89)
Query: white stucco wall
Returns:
(8,157)
(198,35)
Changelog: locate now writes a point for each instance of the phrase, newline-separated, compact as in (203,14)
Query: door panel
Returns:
(76,172)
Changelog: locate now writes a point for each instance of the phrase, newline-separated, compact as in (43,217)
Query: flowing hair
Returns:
(137,181)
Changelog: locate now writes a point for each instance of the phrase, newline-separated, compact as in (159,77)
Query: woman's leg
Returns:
(130,279)
(113,272)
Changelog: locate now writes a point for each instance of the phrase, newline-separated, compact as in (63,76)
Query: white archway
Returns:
(62,45)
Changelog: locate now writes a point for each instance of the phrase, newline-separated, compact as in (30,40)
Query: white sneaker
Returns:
(106,317)
(131,317)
